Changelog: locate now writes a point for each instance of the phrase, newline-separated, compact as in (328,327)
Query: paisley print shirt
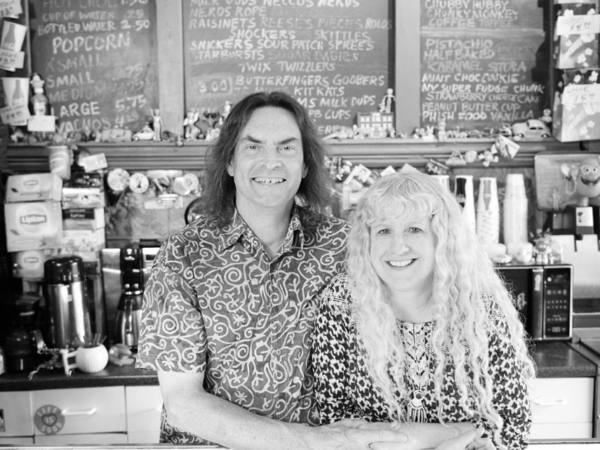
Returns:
(217,303)
(344,389)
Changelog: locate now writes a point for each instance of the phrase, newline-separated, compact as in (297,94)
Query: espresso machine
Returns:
(129,309)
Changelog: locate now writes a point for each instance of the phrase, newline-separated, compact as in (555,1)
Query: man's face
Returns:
(268,163)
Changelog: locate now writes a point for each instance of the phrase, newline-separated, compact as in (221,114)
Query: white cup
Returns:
(87,359)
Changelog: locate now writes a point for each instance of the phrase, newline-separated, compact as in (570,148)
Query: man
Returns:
(229,307)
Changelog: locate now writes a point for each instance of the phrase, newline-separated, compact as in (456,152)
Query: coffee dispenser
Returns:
(129,309)
(66,300)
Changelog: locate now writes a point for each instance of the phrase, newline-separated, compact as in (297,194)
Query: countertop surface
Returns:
(112,375)
(553,360)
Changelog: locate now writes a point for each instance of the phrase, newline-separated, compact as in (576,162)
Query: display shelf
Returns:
(374,153)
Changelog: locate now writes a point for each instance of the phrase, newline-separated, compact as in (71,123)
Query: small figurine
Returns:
(387,101)
(211,118)
(488,156)
(225,110)
(428,135)
(191,131)
(547,117)
(157,125)
(542,249)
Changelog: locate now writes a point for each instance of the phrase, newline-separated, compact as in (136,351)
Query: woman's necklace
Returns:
(417,369)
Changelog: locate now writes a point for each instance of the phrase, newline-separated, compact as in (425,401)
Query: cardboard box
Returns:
(33,225)
(34,187)
(83,218)
(30,263)
(82,198)
(83,240)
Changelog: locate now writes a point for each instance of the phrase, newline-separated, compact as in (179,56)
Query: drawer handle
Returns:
(559,402)
(86,412)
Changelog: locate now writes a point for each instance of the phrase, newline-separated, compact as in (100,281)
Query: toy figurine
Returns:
(225,110)
(211,118)
(542,249)
(191,131)
(157,124)
(584,179)
(488,156)
(547,117)
(388,100)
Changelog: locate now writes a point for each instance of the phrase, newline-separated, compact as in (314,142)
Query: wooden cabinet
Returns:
(562,407)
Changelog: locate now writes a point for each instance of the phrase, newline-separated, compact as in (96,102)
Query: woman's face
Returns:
(402,251)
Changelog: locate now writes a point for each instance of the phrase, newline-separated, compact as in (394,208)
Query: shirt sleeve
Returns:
(172,334)
(331,358)
(511,397)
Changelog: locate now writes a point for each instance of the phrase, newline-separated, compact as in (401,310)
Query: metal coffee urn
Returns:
(66,301)
(129,309)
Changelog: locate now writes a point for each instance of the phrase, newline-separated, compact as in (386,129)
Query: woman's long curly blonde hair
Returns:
(464,277)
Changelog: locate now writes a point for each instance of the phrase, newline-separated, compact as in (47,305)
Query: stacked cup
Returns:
(515,219)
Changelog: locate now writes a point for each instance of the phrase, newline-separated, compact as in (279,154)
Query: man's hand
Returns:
(354,434)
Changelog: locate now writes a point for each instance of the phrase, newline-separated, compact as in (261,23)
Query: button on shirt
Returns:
(217,303)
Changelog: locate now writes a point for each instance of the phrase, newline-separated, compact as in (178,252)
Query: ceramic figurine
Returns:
(157,125)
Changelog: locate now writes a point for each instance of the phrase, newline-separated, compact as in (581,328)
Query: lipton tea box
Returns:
(33,187)
(33,225)
(30,263)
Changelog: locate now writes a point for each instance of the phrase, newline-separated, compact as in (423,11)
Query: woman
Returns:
(421,329)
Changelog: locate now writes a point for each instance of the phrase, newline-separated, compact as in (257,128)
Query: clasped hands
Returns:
(416,436)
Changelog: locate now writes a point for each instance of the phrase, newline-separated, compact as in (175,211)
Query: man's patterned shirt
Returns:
(217,303)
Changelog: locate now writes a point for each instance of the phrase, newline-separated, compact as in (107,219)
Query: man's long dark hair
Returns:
(219,188)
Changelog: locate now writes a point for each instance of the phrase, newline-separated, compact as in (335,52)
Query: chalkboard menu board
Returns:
(483,62)
(98,61)
(331,55)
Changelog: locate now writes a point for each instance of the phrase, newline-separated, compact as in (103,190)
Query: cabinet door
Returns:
(15,414)
(144,405)
(79,411)
(562,407)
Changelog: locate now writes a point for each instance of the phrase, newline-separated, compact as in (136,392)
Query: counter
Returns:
(553,360)
(112,375)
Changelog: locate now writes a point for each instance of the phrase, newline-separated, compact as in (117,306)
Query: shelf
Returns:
(374,153)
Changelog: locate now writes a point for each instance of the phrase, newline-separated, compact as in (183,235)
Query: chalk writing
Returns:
(332,55)
(475,74)
(98,59)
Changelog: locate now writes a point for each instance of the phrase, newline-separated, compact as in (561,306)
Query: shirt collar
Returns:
(238,228)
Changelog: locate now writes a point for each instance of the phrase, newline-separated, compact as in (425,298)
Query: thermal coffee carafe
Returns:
(66,300)
(129,309)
